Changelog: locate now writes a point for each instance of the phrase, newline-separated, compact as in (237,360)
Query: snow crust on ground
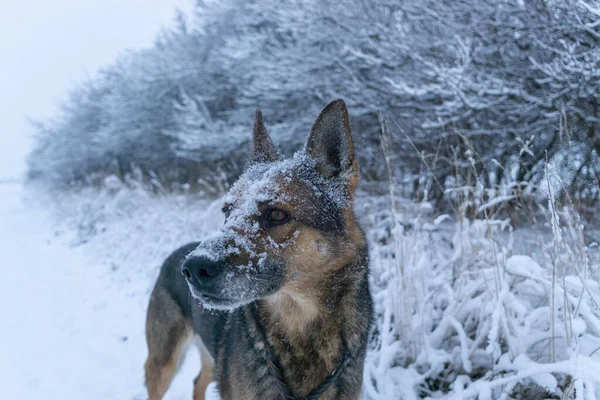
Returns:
(464,309)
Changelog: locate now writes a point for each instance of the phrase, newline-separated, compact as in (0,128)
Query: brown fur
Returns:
(206,374)
(167,343)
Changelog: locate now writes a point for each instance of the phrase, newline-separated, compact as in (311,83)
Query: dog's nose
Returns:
(200,268)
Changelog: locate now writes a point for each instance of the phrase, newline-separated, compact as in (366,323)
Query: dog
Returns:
(278,301)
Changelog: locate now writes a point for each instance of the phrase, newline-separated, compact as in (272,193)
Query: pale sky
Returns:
(49,46)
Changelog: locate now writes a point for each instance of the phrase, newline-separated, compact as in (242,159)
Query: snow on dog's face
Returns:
(288,223)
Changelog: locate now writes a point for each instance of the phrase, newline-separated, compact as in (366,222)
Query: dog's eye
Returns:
(276,216)
(227,210)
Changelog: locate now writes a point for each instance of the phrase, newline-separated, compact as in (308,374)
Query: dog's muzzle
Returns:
(204,277)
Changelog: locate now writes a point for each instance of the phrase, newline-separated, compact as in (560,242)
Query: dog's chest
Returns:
(307,358)
(258,362)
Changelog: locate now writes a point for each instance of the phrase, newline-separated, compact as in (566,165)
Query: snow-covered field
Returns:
(465,309)
(72,322)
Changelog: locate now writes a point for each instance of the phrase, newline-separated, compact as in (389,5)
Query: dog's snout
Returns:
(200,268)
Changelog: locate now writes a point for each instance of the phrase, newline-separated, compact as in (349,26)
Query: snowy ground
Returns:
(70,328)
(465,310)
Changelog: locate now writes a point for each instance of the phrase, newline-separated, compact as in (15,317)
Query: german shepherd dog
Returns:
(278,301)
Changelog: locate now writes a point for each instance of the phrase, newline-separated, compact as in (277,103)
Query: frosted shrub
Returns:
(462,316)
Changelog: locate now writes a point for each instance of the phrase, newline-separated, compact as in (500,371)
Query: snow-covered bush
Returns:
(505,80)
(473,309)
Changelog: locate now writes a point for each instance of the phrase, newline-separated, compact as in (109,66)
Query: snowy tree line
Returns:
(496,86)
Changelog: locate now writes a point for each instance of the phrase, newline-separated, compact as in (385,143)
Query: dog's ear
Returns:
(263,149)
(330,144)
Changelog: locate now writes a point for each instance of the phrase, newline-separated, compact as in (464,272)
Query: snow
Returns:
(69,329)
